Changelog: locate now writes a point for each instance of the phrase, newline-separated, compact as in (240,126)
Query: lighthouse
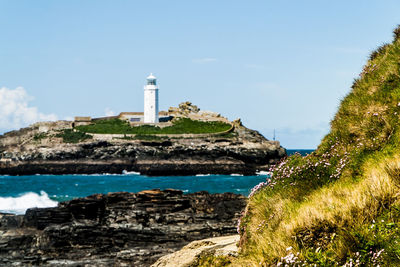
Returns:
(151,100)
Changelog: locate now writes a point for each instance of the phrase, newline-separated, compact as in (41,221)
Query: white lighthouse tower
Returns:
(151,100)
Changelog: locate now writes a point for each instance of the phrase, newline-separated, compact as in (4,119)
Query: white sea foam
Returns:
(101,174)
(263,173)
(94,174)
(236,174)
(18,205)
(126,172)
(203,174)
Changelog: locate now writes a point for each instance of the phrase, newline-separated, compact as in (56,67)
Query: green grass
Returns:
(70,136)
(180,126)
(213,261)
(228,135)
(39,136)
(339,204)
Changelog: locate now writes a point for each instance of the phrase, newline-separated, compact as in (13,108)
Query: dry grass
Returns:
(322,208)
(348,203)
(341,204)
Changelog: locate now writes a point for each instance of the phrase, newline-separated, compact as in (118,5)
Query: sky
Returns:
(277,65)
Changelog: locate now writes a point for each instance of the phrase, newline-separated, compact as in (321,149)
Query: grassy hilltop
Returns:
(341,204)
(179,126)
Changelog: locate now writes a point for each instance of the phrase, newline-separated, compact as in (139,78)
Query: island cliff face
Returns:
(117,229)
(38,150)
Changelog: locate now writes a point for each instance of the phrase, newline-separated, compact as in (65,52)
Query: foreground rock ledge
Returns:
(117,229)
(190,254)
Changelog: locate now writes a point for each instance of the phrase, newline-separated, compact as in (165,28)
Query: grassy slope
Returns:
(341,204)
(180,126)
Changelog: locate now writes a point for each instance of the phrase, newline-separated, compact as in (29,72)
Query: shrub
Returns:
(39,136)
(70,136)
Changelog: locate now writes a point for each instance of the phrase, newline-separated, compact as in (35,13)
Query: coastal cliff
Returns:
(117,229)
(44,149)
(340,205)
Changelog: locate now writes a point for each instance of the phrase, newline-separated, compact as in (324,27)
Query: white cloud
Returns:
(108,112)
(204,60)
(15,111)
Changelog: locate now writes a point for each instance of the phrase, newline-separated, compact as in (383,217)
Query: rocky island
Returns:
(191,142)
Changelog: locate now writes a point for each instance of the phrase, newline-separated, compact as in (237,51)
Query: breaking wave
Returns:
(130,173)
(18,205)
(263,173)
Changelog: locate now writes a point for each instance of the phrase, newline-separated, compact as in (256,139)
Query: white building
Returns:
(151,100)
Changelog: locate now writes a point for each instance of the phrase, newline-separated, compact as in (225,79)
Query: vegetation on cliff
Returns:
(340,204)
(70,136)
(179,126)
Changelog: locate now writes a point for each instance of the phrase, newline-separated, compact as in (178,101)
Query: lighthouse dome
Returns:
(151,77)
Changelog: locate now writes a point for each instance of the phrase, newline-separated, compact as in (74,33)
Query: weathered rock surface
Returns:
(117,229)
(190,254)
(38,150)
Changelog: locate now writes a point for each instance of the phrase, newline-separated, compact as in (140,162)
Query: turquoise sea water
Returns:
(66,187)
(17,193)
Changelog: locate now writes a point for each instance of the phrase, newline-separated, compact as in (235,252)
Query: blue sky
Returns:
(281,65)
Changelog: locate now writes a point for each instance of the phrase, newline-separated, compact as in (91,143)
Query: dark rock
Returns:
(117,229)
(95,145)
(155,143)
(9,221)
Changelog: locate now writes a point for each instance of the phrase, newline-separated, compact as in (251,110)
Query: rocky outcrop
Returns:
(190,254)
(188,110)
(39,150)
(117,229)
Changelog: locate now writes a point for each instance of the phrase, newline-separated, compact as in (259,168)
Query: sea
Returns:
(18,193)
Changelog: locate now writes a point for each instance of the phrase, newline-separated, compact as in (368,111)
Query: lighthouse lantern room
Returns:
(151,100)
